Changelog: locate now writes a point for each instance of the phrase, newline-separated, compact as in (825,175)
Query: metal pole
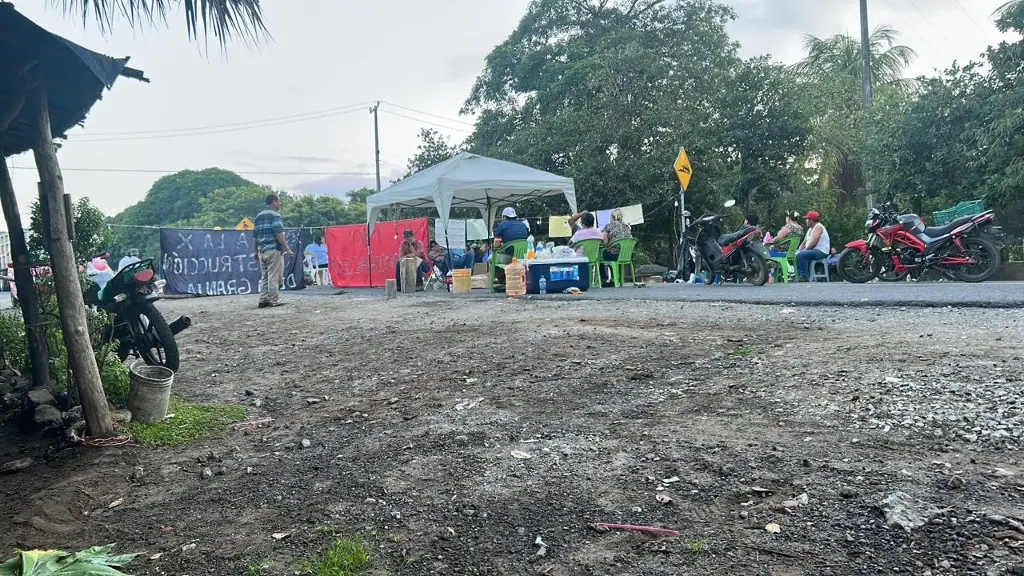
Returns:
(376,142)
(865,54)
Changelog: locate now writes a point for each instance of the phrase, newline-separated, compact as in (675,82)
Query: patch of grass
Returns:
(741,351)
(256,568)
(697,546)
(190,422)
(343,558)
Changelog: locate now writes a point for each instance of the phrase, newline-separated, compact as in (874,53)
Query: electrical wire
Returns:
(390,113)
(470,124)
(89,138)
(155,171)
(977,25)
(318,113)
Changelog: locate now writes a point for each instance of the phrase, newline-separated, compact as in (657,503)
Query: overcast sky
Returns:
(294,113)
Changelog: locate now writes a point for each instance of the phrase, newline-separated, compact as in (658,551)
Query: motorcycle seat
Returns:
(730,238)
(939,231)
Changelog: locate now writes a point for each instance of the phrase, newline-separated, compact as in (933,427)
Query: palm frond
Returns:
(1002,10)
(224,19)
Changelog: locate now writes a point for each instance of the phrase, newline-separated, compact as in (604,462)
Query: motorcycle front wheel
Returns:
(858,268)
(148,335)
(755,267)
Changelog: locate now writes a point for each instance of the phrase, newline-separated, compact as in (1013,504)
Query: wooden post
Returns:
(390,289)
(34,330)
(81,359)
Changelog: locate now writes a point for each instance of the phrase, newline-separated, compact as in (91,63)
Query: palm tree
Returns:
(221,18)
(840,55)
(834,69)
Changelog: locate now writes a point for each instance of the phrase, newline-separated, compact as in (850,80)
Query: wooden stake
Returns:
(391,289)
(65,274)
(34,330)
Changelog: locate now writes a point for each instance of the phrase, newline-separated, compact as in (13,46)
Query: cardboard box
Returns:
(480,282)
(481,268)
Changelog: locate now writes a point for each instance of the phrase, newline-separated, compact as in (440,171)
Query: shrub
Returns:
(13,346)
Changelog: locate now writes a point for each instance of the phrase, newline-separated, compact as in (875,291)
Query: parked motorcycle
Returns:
(711,254)
(135,323)
(899,245)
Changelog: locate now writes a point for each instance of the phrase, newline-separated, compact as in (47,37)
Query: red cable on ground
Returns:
(648,529)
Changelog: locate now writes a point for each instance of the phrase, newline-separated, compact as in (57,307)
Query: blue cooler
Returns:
(560,274)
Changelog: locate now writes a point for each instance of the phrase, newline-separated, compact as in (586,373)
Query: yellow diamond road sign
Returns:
(683,169)
(245,224)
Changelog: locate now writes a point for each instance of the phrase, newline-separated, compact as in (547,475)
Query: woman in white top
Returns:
(816,245)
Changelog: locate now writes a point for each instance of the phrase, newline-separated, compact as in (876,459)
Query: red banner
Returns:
(349,262)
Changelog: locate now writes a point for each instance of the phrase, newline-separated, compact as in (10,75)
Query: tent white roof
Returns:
(470,181)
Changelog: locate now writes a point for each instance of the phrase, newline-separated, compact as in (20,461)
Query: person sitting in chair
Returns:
(511,228)
(411,247)
(792,227)
(447,260)
(615,229)
(816,246)
(588,231)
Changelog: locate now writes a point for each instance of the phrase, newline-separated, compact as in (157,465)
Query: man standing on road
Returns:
(269,247)
(816,246)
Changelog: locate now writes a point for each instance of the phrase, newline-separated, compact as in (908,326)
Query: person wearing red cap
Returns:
(816,246)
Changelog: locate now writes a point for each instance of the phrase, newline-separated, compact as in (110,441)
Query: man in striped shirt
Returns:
(269,247)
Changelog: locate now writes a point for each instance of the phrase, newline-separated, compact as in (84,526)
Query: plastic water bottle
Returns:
(529,248)
(543,285)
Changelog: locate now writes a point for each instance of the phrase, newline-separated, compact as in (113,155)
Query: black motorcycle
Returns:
(710,254)
(135,323)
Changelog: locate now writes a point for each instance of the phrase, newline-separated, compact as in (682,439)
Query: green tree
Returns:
(606,92)
(173,198)
(92,235)
(433,148)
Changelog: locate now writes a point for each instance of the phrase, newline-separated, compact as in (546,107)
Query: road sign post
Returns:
(683,171)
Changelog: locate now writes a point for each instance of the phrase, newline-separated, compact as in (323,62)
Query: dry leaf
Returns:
(116,503)
(519,454)
(773,528)
(663,498)
(282,535)
(671,480)
(156,556)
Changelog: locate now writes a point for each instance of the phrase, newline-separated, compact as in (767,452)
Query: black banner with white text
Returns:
(220,262)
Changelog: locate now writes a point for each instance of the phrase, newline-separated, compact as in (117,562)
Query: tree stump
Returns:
(391,287)
(410,274)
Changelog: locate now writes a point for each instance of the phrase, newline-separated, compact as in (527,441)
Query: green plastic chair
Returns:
(783,264)
(618,266)
(519,253)
(592,251)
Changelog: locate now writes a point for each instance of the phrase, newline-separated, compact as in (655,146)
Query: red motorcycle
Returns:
(901,245)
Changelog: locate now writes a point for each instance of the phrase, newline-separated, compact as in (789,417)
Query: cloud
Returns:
(338,186)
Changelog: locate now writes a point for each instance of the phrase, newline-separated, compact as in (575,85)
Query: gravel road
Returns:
(452,433)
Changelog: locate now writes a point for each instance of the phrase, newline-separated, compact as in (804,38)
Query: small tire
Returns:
(857,268)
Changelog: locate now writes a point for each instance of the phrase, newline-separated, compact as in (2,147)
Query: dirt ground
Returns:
(412,410)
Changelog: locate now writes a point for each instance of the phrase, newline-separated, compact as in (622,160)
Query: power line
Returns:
(911,27)
(154,171)
(930,23)
(217,131)
(470,124)
(972,19)
(389,112)
(234,124)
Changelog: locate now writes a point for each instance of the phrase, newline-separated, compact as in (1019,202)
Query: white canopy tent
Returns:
(470,181)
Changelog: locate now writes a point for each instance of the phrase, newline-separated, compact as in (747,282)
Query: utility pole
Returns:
(865,55)
(376,141)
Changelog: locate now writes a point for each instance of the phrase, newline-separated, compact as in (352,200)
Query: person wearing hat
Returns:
(510,228)
(411,247)
(131,258)
(816,246)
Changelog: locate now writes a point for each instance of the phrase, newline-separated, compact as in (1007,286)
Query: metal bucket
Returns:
(150,392)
